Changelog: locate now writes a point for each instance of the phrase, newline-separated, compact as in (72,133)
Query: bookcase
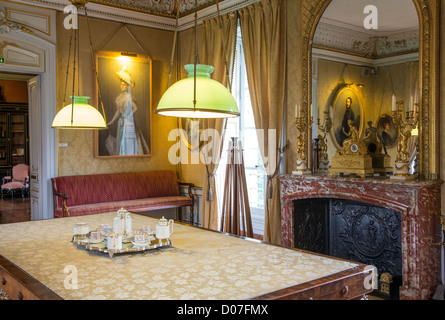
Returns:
(14,136)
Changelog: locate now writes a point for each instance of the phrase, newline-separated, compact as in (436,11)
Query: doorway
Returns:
(41,81)
(14,143)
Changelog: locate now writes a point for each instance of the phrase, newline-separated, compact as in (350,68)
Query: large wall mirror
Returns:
(358,56)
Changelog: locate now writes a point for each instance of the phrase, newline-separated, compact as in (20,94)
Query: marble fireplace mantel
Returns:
(418,202)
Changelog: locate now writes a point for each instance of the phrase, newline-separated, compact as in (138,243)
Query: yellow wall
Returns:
(78,157)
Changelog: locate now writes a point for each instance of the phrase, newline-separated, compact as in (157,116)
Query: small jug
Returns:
(164,229)
(114,241)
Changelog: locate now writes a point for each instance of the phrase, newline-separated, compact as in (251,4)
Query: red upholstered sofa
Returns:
(133,191)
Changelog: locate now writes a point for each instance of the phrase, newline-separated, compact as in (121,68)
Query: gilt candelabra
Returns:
(303,126)
(323,163)
(405,121)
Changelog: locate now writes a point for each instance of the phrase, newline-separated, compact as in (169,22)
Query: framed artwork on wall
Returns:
(388,131)
(125,85)
(347,105)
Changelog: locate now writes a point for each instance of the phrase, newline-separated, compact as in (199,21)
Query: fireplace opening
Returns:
(355,231)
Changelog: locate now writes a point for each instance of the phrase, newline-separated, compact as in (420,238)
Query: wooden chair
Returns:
(18,181)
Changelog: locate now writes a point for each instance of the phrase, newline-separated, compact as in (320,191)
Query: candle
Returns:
(411,104)
(311,110)
(394,103)
(297,111)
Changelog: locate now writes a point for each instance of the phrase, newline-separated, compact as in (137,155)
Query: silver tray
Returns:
(127,245)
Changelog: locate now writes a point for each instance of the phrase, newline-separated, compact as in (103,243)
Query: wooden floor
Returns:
(15,210)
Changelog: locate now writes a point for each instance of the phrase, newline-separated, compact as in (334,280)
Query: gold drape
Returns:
(211,52)
(263,29)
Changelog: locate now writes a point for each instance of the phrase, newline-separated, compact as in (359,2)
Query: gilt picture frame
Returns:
(124,87)
(347,105)
(387,130)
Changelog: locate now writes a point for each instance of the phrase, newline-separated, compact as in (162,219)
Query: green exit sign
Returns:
(2,60)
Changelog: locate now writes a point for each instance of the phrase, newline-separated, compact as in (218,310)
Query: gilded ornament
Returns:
(353,157)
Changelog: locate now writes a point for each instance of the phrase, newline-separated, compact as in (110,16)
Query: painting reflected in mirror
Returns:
(388,131)
(346,107)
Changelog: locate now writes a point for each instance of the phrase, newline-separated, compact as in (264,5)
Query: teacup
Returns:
(139,238)
(105,229)
(146,229)
(104,226)
(81,228)
(95,235)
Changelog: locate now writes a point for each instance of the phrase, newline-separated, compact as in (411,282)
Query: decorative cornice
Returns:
(103,9)
(364,43)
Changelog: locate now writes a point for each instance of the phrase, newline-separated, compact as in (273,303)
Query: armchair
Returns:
(18,181)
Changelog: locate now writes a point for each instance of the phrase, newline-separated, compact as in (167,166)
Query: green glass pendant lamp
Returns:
(79,114)
(213,100)
(198,95)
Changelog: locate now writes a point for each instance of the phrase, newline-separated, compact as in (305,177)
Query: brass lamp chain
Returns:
(220,22)
(196,54)
(95,69)
(74,72)
(76,51)
(67,68)
(174,44)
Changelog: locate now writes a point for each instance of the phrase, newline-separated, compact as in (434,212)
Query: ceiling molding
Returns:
(211,12)
(151,20)
(347,58)
(367,43)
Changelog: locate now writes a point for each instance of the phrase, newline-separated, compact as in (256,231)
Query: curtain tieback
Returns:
(277,170)
(270,185)
(210,188)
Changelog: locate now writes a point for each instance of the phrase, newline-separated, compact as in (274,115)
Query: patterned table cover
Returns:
(201,265)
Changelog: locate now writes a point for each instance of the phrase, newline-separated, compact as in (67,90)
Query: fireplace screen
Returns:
(354,231)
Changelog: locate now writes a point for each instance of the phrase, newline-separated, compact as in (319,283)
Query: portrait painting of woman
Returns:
(125,87)
(388,131)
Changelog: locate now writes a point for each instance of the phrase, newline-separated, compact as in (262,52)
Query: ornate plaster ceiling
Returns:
(393,15)
(158,7)
(159,14)
(341,28)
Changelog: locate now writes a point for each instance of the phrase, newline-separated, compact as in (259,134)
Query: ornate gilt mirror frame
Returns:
(428,12)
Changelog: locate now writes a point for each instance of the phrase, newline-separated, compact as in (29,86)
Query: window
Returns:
(243,128)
